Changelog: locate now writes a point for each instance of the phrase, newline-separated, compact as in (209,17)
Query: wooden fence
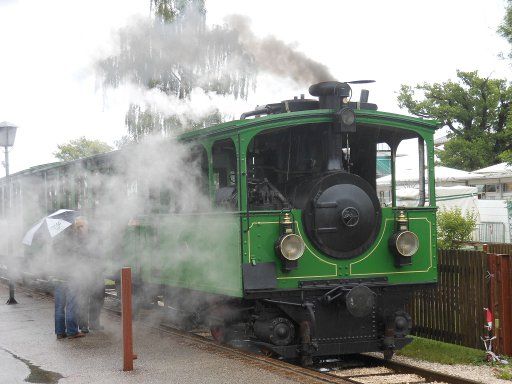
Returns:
(468,282)
(499,248)
(453,310)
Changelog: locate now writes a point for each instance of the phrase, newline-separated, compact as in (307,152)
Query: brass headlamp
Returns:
(290,246)
(404,243)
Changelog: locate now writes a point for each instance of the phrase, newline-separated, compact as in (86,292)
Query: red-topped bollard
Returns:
(126,316)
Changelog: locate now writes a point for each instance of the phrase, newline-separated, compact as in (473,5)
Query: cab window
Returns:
(225,174)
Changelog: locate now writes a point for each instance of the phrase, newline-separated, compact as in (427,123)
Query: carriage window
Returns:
(65,191)
(53,190)
(80,192)
(225,174)
(168,196)
(411,175)
(383,175)
(2,199)
(199,159)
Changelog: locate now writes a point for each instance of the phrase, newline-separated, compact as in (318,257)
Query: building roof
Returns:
(407,174)
(496,168)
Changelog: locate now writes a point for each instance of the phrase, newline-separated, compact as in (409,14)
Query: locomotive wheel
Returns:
(267,352)
(219,333)
(388,354)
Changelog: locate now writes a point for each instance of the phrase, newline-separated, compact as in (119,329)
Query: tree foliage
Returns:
(454,228)
(169,10)
(475,109)
(468,154)
(80,148)
(143,122)
(175,53)
(505,28)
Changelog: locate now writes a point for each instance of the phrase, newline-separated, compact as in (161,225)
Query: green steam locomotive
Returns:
(298,251)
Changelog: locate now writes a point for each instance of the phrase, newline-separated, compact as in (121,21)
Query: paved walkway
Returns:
(29,352)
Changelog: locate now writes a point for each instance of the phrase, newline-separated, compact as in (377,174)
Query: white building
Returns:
(495,182)
(487,192)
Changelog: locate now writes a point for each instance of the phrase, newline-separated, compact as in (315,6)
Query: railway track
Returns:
(357,369)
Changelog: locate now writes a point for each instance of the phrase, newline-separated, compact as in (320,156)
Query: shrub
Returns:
(454,228)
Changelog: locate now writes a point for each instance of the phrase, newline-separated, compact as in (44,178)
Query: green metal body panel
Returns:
(378,261)
(194,251)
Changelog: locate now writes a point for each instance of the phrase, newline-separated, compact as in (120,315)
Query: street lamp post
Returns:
(7,136)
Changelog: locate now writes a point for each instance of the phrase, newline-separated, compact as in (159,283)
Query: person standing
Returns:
(67,251)
(92,284)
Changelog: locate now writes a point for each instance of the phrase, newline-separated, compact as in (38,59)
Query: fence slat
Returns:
(504,285)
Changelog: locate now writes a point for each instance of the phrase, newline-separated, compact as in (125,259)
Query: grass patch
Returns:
(444,353)
(504,373)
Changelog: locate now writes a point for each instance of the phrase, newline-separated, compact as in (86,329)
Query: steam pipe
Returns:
(421,165)
(263,111)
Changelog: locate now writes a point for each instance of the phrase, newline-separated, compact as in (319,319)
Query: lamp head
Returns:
(7,134)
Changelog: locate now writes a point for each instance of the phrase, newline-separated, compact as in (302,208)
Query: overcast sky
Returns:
(48,87)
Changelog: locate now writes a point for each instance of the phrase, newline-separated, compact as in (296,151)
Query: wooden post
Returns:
(126,316)
(506,309)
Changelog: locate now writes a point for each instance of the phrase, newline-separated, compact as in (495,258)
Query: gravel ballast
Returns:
(482,373)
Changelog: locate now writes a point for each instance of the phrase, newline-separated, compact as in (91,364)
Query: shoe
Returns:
(84,330)
(61,336)
(76,335)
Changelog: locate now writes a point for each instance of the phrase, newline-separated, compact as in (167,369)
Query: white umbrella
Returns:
(52,224)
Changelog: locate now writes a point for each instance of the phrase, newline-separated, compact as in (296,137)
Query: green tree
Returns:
(467,154)
(80,148)
(475,109)
(174,54)
(168,10)
(144,122)
(454,228)
(505,29)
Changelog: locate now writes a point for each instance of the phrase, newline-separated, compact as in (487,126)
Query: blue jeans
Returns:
(65,309)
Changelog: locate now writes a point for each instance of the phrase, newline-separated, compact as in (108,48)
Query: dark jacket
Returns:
(69,254)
